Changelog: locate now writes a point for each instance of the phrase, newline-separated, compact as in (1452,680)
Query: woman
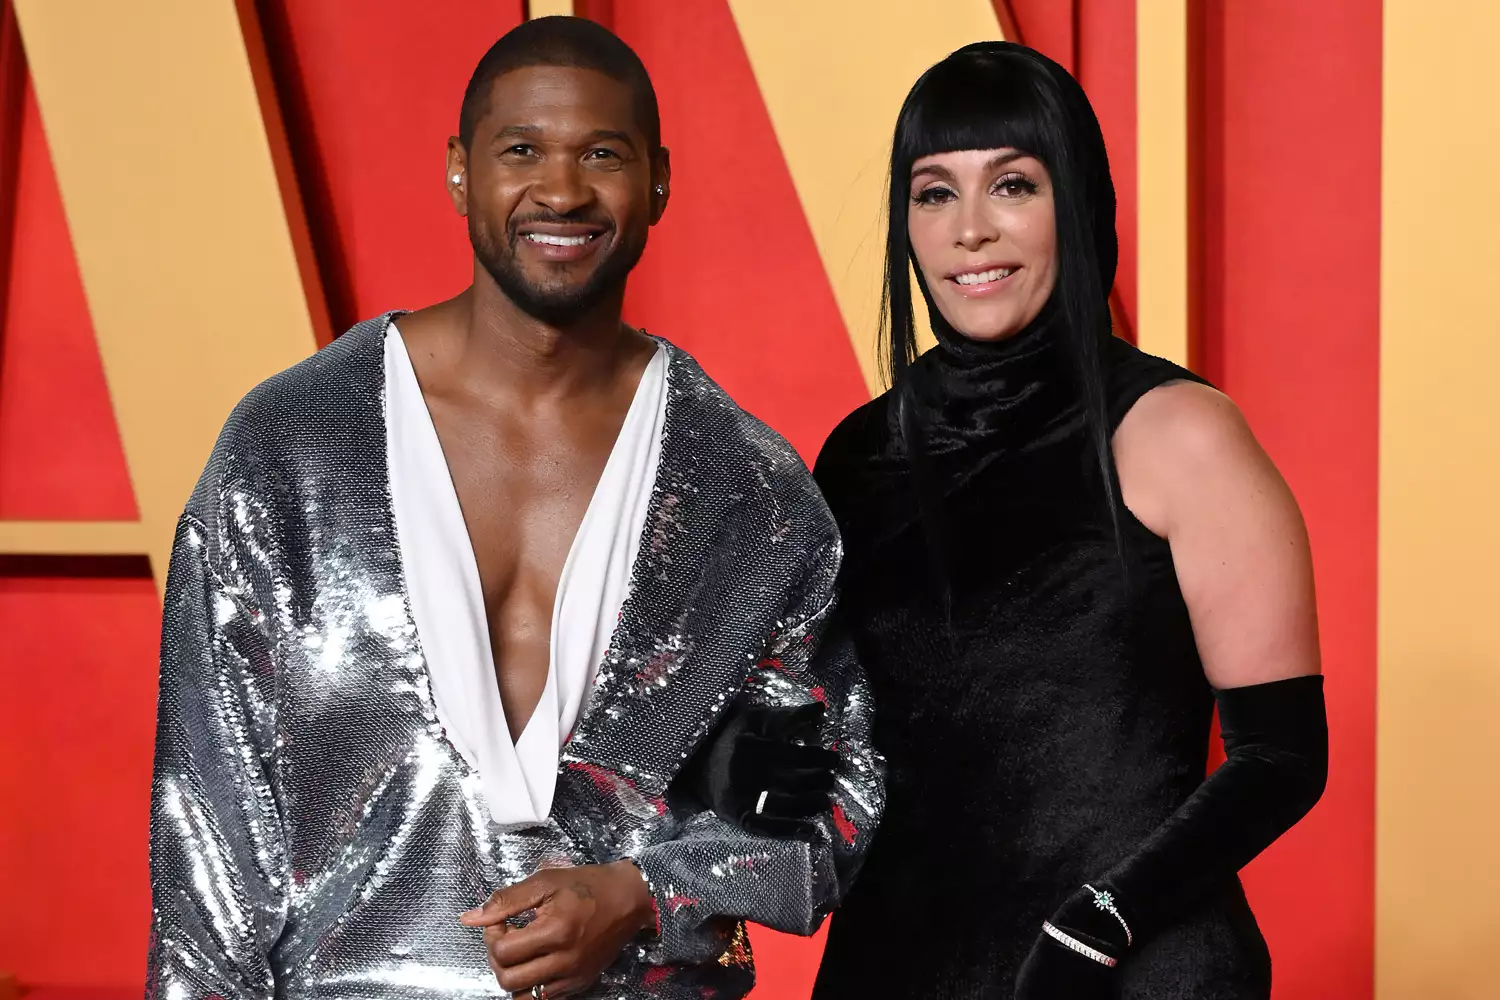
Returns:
(1060,552)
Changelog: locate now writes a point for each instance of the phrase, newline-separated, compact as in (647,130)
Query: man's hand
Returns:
(585,917)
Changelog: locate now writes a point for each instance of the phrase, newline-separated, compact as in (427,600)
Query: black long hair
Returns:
(993,95)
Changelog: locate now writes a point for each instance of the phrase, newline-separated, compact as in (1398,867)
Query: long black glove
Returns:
(1276,766)
(767,770)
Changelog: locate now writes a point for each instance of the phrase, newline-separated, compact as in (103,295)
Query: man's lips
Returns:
(560,233)
(560,241)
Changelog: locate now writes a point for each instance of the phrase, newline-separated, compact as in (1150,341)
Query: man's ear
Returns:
(661,183)
(458,175)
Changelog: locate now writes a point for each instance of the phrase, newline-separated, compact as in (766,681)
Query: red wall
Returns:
(1291,108)
(77,637)
(1291,330)
(733,274)
(369,102)
(59,453)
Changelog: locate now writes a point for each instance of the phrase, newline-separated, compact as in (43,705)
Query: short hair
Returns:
(574,42)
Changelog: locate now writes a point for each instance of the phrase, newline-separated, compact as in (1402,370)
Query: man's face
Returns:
(558,186)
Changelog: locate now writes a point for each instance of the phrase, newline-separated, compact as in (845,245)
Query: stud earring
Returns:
(457,178)
(661,189)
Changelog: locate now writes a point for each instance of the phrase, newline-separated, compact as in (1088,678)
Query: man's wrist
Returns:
(643,909)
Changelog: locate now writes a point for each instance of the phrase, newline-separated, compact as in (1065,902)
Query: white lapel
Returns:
(447,601)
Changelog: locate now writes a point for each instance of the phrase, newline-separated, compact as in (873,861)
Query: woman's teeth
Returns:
(992,275)
(559,241)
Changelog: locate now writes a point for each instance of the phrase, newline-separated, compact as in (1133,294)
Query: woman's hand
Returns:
(768,771)
(585,917)
(1053,971)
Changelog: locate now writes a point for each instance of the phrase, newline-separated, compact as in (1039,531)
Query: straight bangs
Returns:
(974,105)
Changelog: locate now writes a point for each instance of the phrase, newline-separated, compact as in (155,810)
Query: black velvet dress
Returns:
(1042,712)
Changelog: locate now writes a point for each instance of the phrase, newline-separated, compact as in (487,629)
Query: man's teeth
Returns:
(559,241)
(978,279)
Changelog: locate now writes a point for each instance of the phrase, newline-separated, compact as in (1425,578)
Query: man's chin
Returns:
(561,293)
(548,298)
(558,306)
(569,285)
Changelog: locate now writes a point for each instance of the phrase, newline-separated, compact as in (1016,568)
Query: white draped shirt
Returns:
(442,580)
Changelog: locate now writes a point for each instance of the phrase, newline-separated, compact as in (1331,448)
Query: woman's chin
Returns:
(986,325)
(986,332)
(990,336)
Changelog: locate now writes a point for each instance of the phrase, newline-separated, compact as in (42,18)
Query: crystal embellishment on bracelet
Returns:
(1106,902)
(1073,944)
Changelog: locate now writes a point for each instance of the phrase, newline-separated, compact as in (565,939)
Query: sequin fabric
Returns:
(314,833)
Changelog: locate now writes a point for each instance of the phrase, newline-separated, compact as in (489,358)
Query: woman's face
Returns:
(985,237)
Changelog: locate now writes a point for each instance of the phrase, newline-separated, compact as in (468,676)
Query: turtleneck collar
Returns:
(973,398)
(963,409)
(954,350)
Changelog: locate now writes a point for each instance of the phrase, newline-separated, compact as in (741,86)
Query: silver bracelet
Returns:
(1106,902)
(1073,944)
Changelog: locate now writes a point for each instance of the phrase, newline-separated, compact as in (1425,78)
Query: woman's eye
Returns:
(1015,186)
(933,196)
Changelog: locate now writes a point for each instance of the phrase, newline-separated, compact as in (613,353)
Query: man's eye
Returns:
(602,154)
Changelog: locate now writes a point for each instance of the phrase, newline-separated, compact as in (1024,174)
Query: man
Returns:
(458,596)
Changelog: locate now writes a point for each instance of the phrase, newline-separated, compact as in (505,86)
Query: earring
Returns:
(457,178)
(661,189)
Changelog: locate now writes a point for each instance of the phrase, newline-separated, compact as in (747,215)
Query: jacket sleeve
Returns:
(713,874)
(218,861)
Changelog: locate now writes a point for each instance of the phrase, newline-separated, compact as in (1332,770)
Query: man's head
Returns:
(558,165)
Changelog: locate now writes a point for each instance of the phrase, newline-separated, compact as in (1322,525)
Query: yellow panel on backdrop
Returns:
(1163,293)
(72,538)
(549,8)
(833,75)
(177,219)
(1438,791)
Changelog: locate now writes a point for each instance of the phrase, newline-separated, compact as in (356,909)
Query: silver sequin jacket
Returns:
(314,833)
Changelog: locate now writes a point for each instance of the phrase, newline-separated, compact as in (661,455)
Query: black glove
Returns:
(1052,971)
(771,758)
(1275,767)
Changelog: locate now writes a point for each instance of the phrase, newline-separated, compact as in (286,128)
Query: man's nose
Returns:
(562,187)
